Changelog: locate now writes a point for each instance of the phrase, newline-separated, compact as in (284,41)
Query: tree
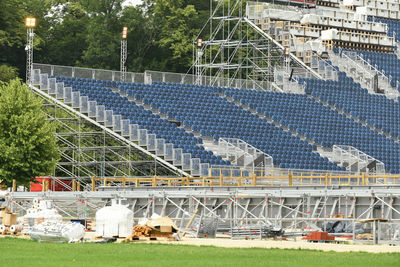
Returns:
(65,39)
(141,38)
(87,33)
(177,24)
(103,37)
(27,139)
(12,33)
(7,73)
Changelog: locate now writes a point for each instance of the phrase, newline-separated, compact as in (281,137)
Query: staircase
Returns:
(364,73)
(352,159)
(240,153)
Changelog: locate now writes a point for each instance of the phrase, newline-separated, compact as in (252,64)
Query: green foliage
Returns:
(103,36)
(66,38)
(141,36)
(87,33)
(27,139)
(12,33)
(138,254)
(177,29)
(7,73)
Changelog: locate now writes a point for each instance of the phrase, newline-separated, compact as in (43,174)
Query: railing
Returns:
(243,152)
(258,181)
(88,73)
(281,77)
(343,153)
(324,68)
(354,56)
(149,77)
(157,76)
(264,179)
(365,67)
(389,233)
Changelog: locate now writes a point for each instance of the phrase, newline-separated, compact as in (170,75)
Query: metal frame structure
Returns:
(29,54)
(90,149)
(238,49)
(294,209)
(124,54)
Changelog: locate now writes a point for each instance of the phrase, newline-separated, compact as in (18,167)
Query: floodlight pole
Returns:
(124,53)
(199,55)
(29,54)
(287,60)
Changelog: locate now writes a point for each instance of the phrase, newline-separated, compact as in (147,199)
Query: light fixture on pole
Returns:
(30,23)
(199,55)
(287,60)
(124,52)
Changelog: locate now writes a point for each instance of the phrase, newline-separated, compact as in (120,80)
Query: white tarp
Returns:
(114,221)
(57,232)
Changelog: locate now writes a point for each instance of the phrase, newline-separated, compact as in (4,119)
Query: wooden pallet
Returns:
(326,241)
(134,238)
(7,233)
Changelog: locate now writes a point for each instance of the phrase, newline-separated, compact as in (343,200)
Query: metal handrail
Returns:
(148,76)
(290,179)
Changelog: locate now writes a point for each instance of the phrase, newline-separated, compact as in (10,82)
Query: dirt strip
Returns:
(228,243)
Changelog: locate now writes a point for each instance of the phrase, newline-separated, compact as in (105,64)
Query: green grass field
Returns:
(18,252)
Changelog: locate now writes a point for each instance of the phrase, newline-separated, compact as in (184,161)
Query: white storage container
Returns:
(114,221)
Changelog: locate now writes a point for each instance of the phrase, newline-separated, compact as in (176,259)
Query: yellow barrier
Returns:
(269,178)
(291,179)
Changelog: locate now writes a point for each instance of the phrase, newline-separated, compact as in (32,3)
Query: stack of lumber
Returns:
(365,236)
(156,228)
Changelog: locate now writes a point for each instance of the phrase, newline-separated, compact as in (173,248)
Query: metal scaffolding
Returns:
(88,149)
(124,53)
(235,48)
(294,209)
(29,54)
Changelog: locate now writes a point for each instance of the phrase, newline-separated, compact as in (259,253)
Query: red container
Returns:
(37,185)
(319,236)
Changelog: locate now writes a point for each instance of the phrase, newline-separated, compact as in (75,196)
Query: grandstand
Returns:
(317,99)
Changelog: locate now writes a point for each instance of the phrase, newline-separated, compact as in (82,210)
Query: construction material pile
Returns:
(255,232)
(8,222)
(41,211)
(157,227)
(57,232)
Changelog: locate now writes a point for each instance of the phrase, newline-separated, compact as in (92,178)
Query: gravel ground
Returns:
(228,243)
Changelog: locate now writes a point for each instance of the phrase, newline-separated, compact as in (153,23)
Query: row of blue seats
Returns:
(375,109)
(315,121)
(146,120)
(203,110)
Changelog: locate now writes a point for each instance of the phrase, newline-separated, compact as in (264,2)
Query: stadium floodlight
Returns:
(199,55)
(30,22)
(199,43)
(124,32)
